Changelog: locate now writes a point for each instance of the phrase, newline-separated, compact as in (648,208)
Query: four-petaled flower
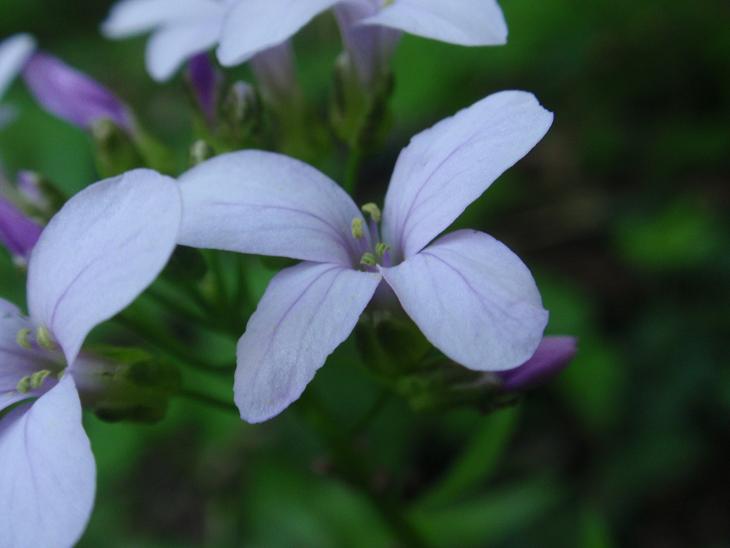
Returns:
(247,28)
(469,294)
(104,247)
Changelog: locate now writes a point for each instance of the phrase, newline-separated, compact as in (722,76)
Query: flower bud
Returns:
(242,115)
(37,194)
(204,81)
(369,47)
(359,115)
(125,384)
(116,153)
(276,76)
(18,232)
(73,96)
(551,357)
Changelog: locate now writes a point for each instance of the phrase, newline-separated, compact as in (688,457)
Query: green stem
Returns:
(377,406)
(221,294)
(171,347)
(357,474)
(206,399)
(352,170)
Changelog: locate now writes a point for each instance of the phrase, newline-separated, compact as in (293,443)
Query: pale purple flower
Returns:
(254,25)
(180,29)
(18,232)
(469,294)
(104,247)
(551,357)
(183,29)
(72,95)
(14,52)
(204,81)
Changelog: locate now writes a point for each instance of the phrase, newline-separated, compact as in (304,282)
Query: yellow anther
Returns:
(23,338)
(357,228)
(381,249)
(37,378)
(368,259)
(23,386)
(373,210)
(45,339)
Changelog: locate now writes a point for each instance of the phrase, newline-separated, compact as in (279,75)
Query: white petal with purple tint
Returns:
(447,167)
(130,17)
(308,311)
(268,204)
(255,25)
(170,47)
(14,52)
(104,247)
(462,22)
(474,300)
(47,471)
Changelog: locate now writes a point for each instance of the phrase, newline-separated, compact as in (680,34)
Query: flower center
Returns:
(378,252)
(49,365)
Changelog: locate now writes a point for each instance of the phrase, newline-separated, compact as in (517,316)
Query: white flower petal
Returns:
(130,17)
(255,25)
(268,204)
(474,299)
(462,22)
(447,167)
(104,247)
(47,471)
(14,52)
(308,311)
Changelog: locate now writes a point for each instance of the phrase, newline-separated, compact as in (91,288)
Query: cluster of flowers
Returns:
(471,296)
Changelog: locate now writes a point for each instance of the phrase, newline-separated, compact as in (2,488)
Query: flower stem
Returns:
(171,347)
(357,473)
(352,170)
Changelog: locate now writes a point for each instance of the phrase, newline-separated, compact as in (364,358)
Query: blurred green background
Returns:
(622,213)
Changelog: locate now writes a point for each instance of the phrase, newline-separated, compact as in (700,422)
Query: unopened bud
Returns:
(551,357)
(200,151)
(72,95)
(115,151)
(18,232)
(204,79)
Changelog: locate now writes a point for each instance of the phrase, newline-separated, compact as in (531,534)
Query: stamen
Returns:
(357,228)
(23,386)
(37,378)
(368,259)
(45,339)
(373,210)
(381,249)
(23,338)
